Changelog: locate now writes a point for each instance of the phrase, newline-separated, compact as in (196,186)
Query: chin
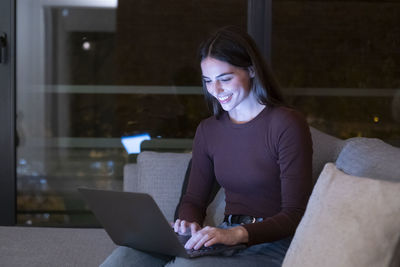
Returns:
(227,109)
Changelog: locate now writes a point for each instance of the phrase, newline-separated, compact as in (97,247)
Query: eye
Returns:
(226,79)
(206,81)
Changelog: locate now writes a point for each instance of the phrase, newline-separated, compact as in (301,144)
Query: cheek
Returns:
(246,84)
(242,86)
(209,90)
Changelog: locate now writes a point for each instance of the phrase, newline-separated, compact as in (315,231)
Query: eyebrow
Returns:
(219,76)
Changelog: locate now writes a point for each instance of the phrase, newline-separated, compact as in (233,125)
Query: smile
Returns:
(224,99)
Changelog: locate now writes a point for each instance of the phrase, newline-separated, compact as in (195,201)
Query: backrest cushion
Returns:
(161,175)
(370,157)
(349,221)
(212,209)
(216,209)
(373,158)
(130,177)
(326,148)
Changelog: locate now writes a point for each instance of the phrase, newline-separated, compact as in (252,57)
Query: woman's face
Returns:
(229,84)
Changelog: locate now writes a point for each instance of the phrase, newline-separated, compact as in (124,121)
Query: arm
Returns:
(201,179)
(293,146)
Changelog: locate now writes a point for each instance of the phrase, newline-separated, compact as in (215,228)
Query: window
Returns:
(339,63)
(93,72)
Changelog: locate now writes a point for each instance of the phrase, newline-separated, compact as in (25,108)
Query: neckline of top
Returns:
(226,119)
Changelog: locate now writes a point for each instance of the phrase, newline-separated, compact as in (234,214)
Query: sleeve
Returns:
(201,180)
(293,145)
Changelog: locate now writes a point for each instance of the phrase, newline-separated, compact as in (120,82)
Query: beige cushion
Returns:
(349,221)
(216,209)
(161,175)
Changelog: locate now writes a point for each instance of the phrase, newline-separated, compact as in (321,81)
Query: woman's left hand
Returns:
(209,236)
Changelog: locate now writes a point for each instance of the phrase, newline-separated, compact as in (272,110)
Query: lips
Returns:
(224,99)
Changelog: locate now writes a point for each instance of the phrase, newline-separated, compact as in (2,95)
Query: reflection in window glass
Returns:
(95,74)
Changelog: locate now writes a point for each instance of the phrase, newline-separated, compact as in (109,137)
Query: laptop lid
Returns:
(134,220)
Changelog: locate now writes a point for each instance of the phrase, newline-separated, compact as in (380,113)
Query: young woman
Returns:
(258,149)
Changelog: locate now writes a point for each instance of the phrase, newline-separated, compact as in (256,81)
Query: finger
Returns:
(193,240)
(196,240)
(205,238)
(176,225)
(183,225)
(211,242)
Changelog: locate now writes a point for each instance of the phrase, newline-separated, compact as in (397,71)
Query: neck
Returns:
(240,116)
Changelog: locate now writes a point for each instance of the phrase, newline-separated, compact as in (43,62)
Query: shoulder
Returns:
(286,113)
(286,126)
(284,117)
(210,124)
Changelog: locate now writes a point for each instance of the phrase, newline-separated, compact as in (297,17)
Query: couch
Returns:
(365,178)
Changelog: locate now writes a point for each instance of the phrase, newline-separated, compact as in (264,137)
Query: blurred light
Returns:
(105,3)
(86,45)
(132,143)
(95,165)
(376,119)
(65,12)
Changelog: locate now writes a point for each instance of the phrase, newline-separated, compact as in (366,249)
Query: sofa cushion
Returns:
(216,210)
(216,202)
(369,157)
(157,172)
(349,221)
(326,148)
(184,186)
(42,246)
(130,177)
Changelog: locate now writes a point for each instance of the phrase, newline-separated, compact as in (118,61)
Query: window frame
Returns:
(7,117)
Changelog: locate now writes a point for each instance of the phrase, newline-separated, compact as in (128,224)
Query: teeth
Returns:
(223,98)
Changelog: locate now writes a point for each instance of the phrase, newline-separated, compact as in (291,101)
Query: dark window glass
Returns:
(339,63)
(95,74)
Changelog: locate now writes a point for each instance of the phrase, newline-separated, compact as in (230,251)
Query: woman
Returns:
(258,150)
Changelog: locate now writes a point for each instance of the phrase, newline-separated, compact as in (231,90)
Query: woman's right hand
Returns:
(183,227)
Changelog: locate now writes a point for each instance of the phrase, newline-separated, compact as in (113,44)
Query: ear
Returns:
(252,73)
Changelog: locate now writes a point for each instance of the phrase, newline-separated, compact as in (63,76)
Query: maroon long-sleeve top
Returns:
(264,166)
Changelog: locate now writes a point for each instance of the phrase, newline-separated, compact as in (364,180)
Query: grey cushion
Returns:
(40,246)
(216,209)
(161,175)
(326,148)
(370,157)
(130,177)
(348,222)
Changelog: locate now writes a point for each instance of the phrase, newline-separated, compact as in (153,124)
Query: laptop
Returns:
(134,220)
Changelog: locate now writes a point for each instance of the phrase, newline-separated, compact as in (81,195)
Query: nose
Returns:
(215,88)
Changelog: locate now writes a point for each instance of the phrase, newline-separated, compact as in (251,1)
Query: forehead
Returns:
(212,67)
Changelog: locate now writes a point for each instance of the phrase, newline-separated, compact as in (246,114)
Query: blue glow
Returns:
(132,143)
